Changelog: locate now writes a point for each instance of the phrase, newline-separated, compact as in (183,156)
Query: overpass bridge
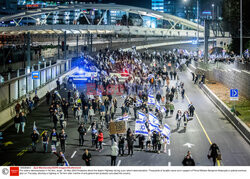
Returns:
(81,19)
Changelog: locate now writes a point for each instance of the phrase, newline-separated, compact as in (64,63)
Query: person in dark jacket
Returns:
(175,74)
(191,109)
(23,121)
(188,161)
(141,141)
(48,97)
(86,157)
(82,131)
(213,152)
(60,161)
(34,137)
(121,142)
(171,75)
(62,137)
(54,137)
(17,122)
(55,119)
(130,140)
(36,100)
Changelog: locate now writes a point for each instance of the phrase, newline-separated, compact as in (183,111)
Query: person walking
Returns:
(54,137)
(91,114)
(47,97)
(34,139)
(23,121)
(58,84)
(114,153)
(121,142)
(82,132)
(55,118)
(86,157)
(62,120)
(191,109)
(17,122)
(182,93)
(45,141)
(149,140)
(175,74)
(130,140)
(100,140)
(185,119)
(36,101)
(214,152)
(85,114)
(79,114)
(171,75)
(62,137)
(178,118)
(158,142)
(188,160)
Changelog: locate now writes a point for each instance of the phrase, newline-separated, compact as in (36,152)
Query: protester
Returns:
(34,139)
(86,157)
(114,153)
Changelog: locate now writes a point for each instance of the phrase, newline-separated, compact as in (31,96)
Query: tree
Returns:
(231,19)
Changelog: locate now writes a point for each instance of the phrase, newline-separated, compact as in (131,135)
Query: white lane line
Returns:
(89,128)
(73,154)
(169,163)
(119,163)
(169,152)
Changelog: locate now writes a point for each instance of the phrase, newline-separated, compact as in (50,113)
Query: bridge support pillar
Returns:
(206,34)
(28,49)
(58,48)
(65,45)
(77,46)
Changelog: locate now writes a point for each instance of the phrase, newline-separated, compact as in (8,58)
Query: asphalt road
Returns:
(209,124)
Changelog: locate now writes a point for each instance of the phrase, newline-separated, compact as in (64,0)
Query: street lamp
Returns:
(213,11)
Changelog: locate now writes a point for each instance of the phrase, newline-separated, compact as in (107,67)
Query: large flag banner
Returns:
(166,131)
(151,100)
(142,116)
(35,128)
(153,122)
(140,127)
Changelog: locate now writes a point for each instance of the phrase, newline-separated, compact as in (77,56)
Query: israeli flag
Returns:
(124,96)
(158,106)
(142,117)
(166,131)
(66,161)
(111,60)
(163,109)
(59,96)
(151,100)
(35,128)
(153,122)
(140,128)
(124,118)
(139,102)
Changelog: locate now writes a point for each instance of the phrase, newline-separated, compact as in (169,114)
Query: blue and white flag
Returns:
(163,109)
(140,128)
(158,106)
(124,118)
(111,60)
(151,100)
(142,117)
(138,102)
(124,96)
(66,161)
(35,128)
(166,131)
(153,122)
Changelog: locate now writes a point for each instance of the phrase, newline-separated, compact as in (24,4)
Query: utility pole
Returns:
(197,22)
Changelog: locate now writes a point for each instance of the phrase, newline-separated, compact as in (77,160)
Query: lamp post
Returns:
(213,11)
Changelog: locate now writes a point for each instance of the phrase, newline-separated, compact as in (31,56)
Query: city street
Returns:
(208,125)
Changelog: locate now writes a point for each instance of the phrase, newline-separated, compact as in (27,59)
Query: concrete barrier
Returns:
(234,120)
(7,114)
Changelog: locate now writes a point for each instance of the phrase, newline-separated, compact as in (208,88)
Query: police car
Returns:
(83,76)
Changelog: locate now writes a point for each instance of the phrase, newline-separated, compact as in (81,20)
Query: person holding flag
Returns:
(34,138)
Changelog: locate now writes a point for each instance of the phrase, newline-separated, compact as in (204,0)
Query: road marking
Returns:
(73,154)
(205,132)
(119,163)
(89,128)
(169,163)
(169,152)
(6,163)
